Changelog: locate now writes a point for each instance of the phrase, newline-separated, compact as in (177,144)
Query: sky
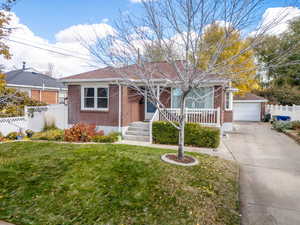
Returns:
(52,25)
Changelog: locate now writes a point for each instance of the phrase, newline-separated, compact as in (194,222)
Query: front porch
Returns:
(142,130)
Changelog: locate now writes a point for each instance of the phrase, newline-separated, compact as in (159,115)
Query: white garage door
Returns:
(246,111)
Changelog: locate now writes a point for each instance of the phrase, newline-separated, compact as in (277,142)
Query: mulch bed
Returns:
(186,159)
(293,134)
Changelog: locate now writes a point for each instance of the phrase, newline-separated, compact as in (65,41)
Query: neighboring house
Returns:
(248,107)
(38,86)
(101,97)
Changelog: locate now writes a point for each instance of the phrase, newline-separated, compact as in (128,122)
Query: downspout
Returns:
(120,110)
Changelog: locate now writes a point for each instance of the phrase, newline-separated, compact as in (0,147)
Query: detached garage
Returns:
(248,107)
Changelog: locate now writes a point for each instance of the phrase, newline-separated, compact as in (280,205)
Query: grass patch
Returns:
(49,183)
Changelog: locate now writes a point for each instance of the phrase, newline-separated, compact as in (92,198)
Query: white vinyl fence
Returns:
(284,110)
(35,118)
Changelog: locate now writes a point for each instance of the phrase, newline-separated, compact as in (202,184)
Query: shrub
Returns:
(81,133)
(12,135)
(2,138)
(50,135)
(110,138)
(29,133)
(15,102)
(195,134)
(281,126)
(296,125)
(50,126)
(282,96)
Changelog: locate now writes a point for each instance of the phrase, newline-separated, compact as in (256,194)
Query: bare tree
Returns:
(179,24)
(50,71)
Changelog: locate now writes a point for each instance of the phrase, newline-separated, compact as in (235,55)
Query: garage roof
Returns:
(249,97)
(28,78)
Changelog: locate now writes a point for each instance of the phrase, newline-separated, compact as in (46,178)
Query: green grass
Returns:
(55,184)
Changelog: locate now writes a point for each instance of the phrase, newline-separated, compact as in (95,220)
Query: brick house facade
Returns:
(123,105)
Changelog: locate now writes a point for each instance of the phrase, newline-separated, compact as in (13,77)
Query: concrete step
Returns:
(139,129)
(140,124)
(136,138)
(137,132)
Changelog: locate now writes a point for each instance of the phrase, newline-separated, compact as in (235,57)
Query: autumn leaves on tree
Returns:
(240,68)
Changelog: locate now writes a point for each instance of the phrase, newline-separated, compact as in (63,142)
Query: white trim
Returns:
(249,101)
(36,87)
(95,98)
(230,101)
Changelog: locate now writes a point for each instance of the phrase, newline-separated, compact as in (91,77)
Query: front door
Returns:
(149,109)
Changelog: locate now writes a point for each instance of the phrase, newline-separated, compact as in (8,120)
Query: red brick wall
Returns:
(132,106)
(165,97)
(219,101)
(263,110)
(35,94)
(49,97)
(76,115)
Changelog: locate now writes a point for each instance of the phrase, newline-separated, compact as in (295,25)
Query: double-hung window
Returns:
(94,98)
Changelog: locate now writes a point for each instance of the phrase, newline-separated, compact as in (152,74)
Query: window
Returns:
(94,98)
(228,100)
(196,99)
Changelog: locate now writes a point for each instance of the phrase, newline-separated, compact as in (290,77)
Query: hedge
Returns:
(195,134)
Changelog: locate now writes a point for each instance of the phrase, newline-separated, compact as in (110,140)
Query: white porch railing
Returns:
(206,117)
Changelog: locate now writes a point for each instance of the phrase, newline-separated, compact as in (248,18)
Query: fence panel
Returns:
(52,114)
(12,124)
(280,110)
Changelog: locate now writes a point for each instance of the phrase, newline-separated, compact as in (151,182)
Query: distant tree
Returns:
(157,53)
(50,71)
(242,68)
(12,102)
(272,51)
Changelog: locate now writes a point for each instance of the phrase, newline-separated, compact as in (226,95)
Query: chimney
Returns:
(24,65)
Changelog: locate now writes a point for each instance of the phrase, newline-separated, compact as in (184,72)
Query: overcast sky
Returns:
(53,24)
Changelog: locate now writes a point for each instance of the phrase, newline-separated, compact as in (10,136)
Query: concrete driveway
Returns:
(269,175)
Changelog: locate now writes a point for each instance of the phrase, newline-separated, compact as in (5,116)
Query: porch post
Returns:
(157,95)
(120,110)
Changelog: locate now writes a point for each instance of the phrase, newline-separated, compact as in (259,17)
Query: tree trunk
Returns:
(181,129)
(181,143)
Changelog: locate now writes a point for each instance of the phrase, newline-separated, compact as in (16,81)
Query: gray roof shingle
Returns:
(28,78)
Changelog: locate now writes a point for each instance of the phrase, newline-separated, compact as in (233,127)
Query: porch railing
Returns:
(206,117)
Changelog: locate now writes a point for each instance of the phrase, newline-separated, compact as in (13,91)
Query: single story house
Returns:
(38,86)
(102,97)
(248,107)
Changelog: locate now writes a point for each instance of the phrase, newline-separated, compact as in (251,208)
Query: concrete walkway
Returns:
(221,151)
(269,175)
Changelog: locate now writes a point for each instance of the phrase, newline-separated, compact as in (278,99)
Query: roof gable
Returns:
(27,78)
(157,70)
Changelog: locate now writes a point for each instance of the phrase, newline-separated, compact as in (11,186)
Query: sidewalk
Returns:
(221,151)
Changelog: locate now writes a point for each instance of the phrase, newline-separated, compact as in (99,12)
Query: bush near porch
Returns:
(195,135)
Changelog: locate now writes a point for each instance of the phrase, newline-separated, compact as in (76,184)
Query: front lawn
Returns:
(49,183)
